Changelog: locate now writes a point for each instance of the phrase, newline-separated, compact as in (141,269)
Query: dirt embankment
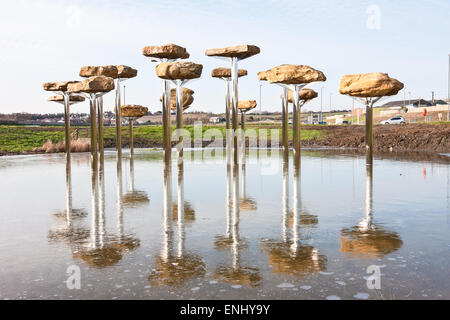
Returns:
(411,137)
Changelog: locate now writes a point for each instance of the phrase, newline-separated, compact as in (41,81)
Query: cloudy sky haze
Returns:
(48,40)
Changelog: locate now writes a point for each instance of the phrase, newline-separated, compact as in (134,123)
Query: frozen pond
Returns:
(309,236)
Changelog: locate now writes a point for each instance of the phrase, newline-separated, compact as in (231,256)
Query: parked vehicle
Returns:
(394,120)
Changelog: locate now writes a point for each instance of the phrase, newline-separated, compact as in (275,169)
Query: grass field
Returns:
(22,139)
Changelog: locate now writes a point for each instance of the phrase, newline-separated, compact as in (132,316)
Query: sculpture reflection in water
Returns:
(175,266)
(71,231)
(367,239)
(246,203)
(102,249)
(236,274)
(133,198)
(289,255)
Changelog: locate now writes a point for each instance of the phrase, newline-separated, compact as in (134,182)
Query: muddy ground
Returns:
(411,137)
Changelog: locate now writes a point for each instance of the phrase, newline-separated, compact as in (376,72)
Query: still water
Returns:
(207,230)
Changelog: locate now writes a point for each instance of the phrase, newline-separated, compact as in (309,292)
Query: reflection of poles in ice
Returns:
(296,205)
(98,209)
(94,207)
(131,173)
(180,209)
(167,210)
(244,180)
(119,203)
(367,222)
(229,208)
(102,205)
(235,216)
(285,197)
(69,206)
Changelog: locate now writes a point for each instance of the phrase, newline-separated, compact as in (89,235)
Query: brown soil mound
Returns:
(413,137)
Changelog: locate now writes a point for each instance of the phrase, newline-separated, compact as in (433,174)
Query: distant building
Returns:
(217,120)
(417,103)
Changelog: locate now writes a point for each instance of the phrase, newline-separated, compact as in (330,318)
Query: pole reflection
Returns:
(70,231)
(237,273)
(368,239)
(134,198)
(104,250)
(290,255)
(175,267)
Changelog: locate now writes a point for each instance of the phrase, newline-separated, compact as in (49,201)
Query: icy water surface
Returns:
(207,230)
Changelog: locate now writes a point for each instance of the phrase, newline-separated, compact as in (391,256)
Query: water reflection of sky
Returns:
(272,239)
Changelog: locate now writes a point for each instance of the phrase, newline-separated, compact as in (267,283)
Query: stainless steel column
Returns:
(67,122)
(118,120)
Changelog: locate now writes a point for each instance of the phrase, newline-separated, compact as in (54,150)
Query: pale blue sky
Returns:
(49,40)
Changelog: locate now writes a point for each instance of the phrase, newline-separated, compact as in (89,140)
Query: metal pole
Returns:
(285,117)
(94,131)
(166,117)
(227,117)
(297,119)
(179,99)
(234,103)
(227,104)
(67,122)
(130,124)
(101,148)
(118,120)
(369,126)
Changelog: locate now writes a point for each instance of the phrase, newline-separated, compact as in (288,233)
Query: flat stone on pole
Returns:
(168,51)
(241,52)
(133,111)
(179,70)
(304,95)
(96,84)
(369,85)
(92,71)
(188,98)
(126,72)
(369,88)
(226,73)
(246,105)
(58,86)
(294,74)
(60,98)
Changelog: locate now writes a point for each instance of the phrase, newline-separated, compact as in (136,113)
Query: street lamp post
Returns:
(321,104)
(448,90)
(331,94)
